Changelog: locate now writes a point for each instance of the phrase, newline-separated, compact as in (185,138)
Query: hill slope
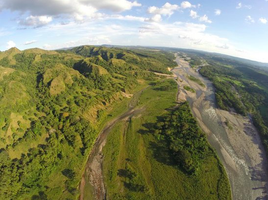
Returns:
(52,107)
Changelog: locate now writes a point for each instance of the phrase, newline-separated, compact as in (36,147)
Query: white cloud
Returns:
(263,20)
(10,44)
(30,42)
(36,21)
(217,12)
(79,10)
(249,19)
(193,14)
(4,32)
(157,34)
(127,18)
(223,46)
(89,40)
(47,46)
(152,9)
(239,5)
(180,34)
(248,6)
(183,37)
(112,5)
(155,18)
(78,17)
(187,4)
(58,7)
(167,9)
(205,19)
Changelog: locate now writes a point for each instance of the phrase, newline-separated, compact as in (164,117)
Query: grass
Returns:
(186,87)
(198,81)
(136,164)
(228,124)
(233,81)
(5,72)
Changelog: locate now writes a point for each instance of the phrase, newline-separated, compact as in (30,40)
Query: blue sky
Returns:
(237,28)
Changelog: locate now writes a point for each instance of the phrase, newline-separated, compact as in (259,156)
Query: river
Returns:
(240,150)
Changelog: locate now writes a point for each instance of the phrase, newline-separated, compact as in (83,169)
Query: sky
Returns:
(236,28)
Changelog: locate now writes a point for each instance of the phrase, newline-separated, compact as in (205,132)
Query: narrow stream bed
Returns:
(248,180)
(93,173)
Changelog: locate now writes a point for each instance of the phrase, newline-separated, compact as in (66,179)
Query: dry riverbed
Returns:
(234,137)
(93,174)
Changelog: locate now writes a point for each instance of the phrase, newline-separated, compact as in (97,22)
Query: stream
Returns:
(248,180)
(93,173)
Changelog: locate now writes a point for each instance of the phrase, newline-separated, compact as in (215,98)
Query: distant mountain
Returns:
(223,56)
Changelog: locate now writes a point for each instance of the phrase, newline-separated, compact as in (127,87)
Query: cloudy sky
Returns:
(238,28)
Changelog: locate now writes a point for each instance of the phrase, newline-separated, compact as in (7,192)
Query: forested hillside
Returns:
(53,105)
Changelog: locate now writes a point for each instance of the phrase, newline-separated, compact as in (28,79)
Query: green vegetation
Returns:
(186,87)
(162,154)
(53,105)
(198,81)
(195,61)
(227,123)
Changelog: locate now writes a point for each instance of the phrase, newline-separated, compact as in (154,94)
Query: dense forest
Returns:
(179,128)
(53,104)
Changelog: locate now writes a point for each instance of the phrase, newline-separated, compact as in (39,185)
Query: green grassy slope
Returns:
(139,162)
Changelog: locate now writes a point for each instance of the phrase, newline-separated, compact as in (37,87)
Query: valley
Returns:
(137,165)
(133,100)
(131,123)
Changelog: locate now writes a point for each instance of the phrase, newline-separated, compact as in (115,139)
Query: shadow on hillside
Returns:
(147,128)
(129,180)
(161,153)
